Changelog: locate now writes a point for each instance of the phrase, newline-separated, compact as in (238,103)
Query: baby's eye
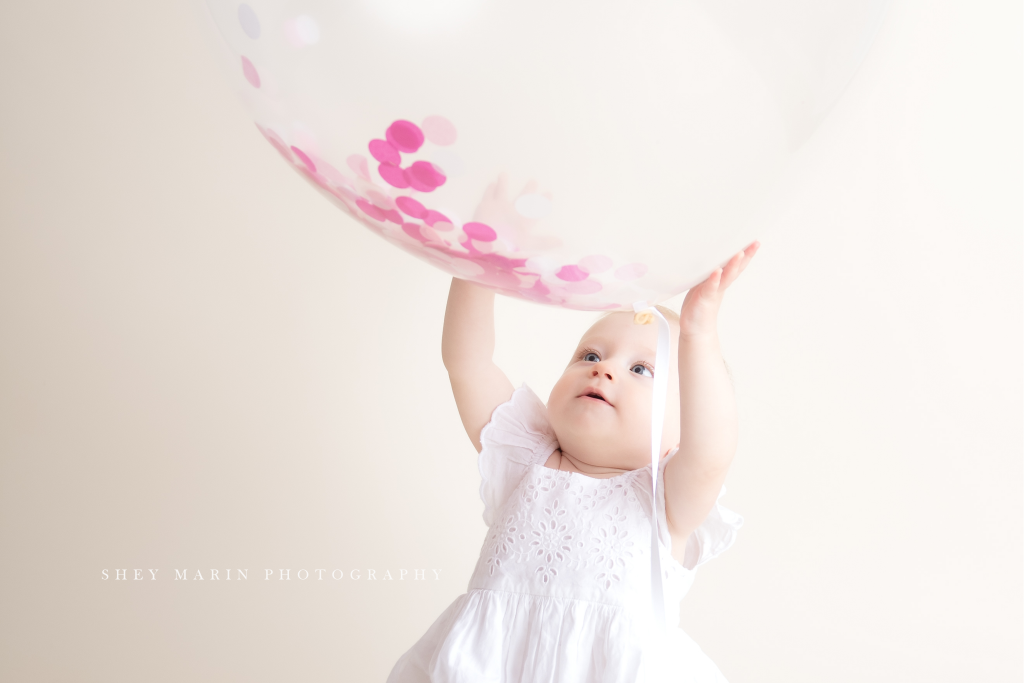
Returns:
(592,357)
(642,369)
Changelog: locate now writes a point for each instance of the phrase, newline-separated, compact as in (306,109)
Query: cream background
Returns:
(203,364)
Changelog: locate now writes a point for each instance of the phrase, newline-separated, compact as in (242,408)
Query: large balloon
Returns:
(583,153)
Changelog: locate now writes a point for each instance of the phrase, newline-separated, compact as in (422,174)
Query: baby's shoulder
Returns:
(520,422)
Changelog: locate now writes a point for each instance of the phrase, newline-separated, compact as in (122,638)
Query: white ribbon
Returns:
(661,370)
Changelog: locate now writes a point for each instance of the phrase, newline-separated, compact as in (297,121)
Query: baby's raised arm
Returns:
(708,422)
(467,349)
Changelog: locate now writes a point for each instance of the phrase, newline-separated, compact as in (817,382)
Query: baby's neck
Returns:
(565,462)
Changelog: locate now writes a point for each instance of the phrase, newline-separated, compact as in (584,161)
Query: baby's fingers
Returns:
(737,264)
(731,270)
(712,283)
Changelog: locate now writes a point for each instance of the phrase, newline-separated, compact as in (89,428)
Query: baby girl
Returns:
(564,576)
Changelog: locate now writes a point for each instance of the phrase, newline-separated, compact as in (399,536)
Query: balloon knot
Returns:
(643,318)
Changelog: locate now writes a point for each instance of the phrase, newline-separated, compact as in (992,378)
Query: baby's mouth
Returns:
(595,395)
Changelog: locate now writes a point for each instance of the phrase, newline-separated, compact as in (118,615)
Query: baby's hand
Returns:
(699,314)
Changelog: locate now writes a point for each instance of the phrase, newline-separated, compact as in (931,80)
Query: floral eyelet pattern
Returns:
(562,522)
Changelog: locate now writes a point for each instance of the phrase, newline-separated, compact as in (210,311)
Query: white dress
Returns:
(564,575)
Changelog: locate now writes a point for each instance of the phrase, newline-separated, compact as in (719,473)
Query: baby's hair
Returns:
(647,318)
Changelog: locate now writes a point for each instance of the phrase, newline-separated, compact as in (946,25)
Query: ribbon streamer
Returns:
(645,314)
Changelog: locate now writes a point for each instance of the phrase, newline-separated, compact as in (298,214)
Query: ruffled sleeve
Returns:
(712,538)
(518,436)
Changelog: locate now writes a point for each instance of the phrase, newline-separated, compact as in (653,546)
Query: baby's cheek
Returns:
(560,394)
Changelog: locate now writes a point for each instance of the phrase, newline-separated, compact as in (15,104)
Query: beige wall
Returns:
(204,365)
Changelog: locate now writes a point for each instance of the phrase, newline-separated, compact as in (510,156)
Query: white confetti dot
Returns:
(307,30)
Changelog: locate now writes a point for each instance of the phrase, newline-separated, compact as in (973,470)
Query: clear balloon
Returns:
(583,154)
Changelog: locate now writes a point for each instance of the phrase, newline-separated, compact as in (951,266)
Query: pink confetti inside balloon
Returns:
(424,176)
(635,151)
(384,152)
(595,264)
(393,175)
(631,271)
(433,217)
(571,274)
(304,159)
(250,73)
(357,163)
(411,207)
(439,130)
(405,136)
(480,232)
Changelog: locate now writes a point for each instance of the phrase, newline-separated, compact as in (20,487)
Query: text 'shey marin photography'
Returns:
(271,575)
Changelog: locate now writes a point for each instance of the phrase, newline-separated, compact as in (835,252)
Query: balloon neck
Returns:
(643,318)
(643,314)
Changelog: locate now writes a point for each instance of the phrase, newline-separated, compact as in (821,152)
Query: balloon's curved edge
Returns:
(875,27)
(396,205)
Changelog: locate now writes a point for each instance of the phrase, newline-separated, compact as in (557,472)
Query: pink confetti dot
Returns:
(595,264)
(433,217)
(439,130)
(406,136)
(357,162)
(370,210)
(500,279)
(631,271)
(424,176)
(274,139)
(332,174)
(250,73)
(394,217)
(411,207)
(482,246)
(584,287)
(380,200)
(571,274)
(534,294)
(480,232)
(304,159)
(467,268)
(393,175)
(384,152)
(527,280)
(429,235)
(413,231)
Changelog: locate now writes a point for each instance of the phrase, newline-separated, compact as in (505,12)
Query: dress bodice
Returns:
(567,535)
(562,588)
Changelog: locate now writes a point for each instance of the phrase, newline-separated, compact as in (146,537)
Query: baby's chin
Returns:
(600,443)
(598,452)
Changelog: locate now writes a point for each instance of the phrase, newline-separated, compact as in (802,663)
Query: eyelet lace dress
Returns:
(564,574)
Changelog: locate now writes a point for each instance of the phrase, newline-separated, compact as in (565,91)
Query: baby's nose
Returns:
(597,373)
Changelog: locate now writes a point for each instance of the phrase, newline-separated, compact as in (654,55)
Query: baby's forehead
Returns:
(615,325)
(619,325)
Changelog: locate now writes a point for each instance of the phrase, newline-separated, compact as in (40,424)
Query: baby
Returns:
(559,590)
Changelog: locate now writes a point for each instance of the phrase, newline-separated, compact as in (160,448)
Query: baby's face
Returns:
(600,408)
